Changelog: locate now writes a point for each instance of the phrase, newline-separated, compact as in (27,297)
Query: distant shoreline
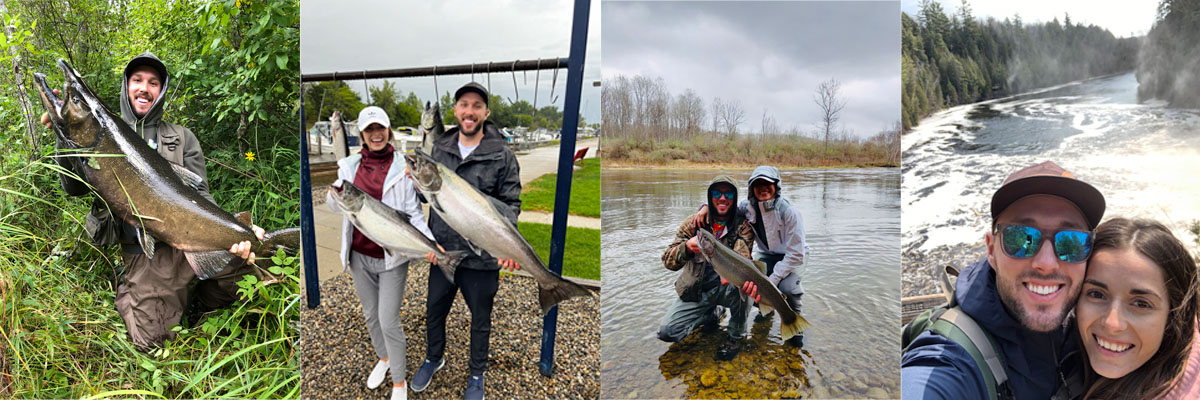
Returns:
(682,164)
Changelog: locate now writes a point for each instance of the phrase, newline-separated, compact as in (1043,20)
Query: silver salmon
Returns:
(738,269)
(390,228)
(142,188)
(473,216)
(431,127)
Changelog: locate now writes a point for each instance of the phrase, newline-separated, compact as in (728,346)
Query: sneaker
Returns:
(729,349)
(399,393)
(797,340)
(713,322)
(474,388)
(377,374)
(424,374)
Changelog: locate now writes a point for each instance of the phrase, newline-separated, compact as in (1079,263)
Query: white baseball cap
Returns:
(372,115)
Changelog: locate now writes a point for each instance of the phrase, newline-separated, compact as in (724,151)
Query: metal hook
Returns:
(553,84)
(537,77)
(366,87)
(514,76)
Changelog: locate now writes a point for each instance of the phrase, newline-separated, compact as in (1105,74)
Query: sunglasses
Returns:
(1020,241)
(716,194)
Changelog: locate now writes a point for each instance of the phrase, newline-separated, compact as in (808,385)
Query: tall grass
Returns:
(783,151)
(60,334)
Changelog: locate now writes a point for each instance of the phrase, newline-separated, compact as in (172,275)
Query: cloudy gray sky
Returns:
(384,34)
(767,55)
(1122,18)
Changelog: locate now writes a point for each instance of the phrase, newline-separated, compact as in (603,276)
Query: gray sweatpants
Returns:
(684,316)
(382,293)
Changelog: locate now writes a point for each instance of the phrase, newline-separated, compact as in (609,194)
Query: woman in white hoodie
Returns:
(379,277)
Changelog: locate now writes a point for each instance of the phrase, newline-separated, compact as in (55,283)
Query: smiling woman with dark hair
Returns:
(1137,314)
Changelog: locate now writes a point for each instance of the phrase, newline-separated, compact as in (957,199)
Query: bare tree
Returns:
(829,99)
(768,123)
(727,116)
(717,107)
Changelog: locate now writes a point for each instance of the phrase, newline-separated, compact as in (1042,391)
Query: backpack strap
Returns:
(960,328)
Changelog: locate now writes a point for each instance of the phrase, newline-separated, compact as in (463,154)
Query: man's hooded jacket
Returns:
(175,143)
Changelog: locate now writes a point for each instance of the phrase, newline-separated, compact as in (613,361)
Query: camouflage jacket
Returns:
(695,270)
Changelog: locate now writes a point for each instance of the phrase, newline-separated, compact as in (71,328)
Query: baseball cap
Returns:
(371,115)
(767,172)
(1050,179)
(472,87)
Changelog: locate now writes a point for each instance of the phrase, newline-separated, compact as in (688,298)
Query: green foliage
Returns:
(538,195)
(233,82)
(949,60)
(401,113)
(322,99)
(581,257)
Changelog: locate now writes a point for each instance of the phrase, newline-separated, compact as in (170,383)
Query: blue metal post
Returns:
(312,281)
(566,157)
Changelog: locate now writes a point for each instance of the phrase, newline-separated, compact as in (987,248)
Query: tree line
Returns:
(1169,62)
(951,59)
(322,99)
(646,123)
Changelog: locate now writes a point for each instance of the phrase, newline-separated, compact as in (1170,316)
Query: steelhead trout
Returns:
(390,228)
(737,270)
(142,188)
(431,127)
(472,215)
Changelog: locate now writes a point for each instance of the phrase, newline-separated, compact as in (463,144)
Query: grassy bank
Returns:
(62,336)
(582,256)
(744,151)
(538,195)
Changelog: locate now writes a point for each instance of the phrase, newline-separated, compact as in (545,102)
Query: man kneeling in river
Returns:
(702,297)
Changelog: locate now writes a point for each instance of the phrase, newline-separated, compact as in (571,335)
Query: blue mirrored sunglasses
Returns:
(716,194)
(1020,241)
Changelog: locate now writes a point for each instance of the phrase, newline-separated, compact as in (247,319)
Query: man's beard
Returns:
(478,128)
(1040,322)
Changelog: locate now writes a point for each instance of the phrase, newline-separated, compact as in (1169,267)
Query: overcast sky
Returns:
(1122,18)
(767,55)
(346,36)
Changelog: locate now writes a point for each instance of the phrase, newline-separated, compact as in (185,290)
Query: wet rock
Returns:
(877,393)
(791,394)
(796,366)
(708,378)
(838,376)
(858,385)
(821,393)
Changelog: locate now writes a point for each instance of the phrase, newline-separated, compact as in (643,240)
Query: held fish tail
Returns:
(287,239)
(448,263)
(793,328)
(562,289)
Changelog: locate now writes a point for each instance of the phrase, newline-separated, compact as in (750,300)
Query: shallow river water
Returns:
(851,217)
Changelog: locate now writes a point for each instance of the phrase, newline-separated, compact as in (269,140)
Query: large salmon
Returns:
(142,188)
(473,216)
(431,127)
(390,228)
(737,270)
